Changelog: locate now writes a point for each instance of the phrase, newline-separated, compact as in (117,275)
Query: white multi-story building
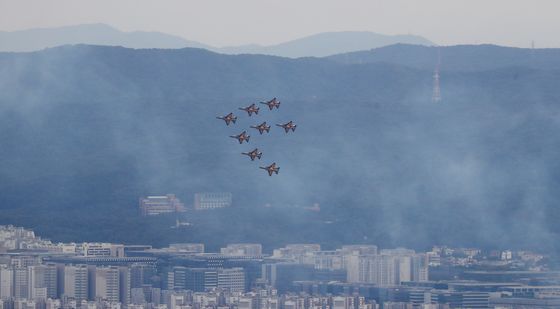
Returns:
(24,304)
(382,270)
(420,267)
(242,250)
(53,303)
(389,268)
(187,247)
(157,205)
(361,249)
(212,200)
(331,260)
(231,279)
(12,238)
(300,253)
(100,249)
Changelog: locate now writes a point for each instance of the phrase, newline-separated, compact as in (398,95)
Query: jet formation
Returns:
(263,127)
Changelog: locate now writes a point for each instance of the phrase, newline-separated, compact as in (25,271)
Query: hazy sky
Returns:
(234,22)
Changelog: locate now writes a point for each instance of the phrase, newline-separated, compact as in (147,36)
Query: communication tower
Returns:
(436,94)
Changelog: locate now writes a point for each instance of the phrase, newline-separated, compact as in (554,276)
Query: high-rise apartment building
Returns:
(21,283)
(75,282)
(107,284)
(388,268)
(6,282)
(141,274)
(42,281)
(124,284)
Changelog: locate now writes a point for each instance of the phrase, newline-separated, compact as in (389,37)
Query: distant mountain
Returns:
(456,58)
(319,45)
(94,34)
(326,44)
(86,130)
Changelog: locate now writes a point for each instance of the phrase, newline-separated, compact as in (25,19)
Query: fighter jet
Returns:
(272,104)
(253,154)
(262,127)
(229,118)
(272,168)
(288,126)
(250,109)
(243,137)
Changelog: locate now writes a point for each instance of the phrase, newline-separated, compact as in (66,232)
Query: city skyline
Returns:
(37,274)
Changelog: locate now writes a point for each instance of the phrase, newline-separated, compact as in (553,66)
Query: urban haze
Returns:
(279,155)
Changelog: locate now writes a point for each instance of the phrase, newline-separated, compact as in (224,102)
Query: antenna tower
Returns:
(436,94)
